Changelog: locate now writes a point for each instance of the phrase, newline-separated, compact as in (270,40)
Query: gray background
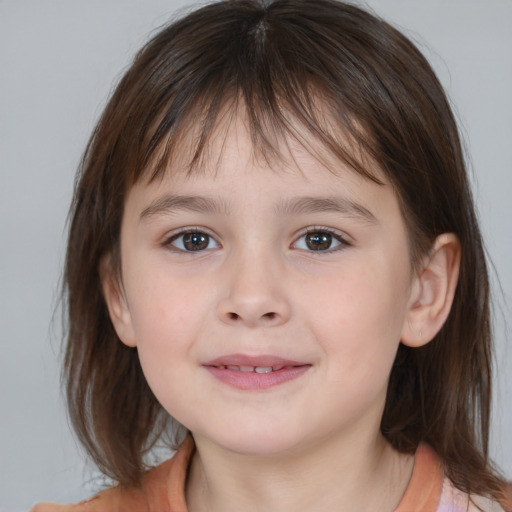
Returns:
(58,62)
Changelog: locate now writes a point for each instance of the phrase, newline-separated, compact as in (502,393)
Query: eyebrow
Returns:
(334,204)
(169,204)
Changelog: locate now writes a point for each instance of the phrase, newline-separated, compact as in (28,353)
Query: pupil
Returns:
(318,241)
(195,241)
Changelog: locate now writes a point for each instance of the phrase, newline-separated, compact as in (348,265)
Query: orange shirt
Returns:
(163,490)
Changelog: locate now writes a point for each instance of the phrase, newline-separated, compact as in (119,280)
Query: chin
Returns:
(261,447)
(265,441)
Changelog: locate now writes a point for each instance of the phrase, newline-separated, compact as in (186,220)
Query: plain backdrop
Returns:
(58,62)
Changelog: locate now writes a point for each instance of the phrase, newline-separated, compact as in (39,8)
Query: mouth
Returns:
(249,369)
(255,372)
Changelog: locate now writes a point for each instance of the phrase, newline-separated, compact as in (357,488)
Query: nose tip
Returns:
(253,290)
(267,318)
(254,312)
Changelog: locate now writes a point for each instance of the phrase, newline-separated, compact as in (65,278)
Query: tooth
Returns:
(232,367)
(263,369)
(246,369)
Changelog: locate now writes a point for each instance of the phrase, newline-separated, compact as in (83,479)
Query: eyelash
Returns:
(168,242)
(336,236)
(315,230)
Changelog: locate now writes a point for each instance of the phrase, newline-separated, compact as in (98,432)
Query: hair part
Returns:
(279,61)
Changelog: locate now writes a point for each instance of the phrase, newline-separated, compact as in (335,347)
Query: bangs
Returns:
(262,67)
(292,114)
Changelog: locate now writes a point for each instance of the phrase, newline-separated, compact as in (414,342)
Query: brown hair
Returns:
(277,58)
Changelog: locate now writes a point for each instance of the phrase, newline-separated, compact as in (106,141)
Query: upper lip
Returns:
(264,360)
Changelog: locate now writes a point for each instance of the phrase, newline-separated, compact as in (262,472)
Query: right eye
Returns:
(192,241)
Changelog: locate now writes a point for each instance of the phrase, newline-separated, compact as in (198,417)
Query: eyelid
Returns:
(174,235)
(340,236)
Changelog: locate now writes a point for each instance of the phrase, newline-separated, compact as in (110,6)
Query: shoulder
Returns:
(162,489)
(430,490)
(455,500)
(117,499)
(110,500)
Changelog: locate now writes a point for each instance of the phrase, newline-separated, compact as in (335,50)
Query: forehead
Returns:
(233,176)
(238,140)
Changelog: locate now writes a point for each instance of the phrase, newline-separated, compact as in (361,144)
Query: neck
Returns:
(332,475)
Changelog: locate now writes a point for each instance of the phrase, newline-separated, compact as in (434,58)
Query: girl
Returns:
(274,260)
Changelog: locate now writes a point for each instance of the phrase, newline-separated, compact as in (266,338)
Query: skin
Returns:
(257,288)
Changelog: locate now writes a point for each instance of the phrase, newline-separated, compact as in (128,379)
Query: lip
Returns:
(248,360)
(247,372)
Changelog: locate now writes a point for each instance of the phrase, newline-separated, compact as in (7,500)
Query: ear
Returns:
(432,292)
(117,305)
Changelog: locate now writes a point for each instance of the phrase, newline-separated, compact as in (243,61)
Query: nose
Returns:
(255,295)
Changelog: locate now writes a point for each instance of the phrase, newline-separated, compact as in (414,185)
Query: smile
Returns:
(255,373)
(249,369)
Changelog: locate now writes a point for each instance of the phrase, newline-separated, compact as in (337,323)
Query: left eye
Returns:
(319,241)
(192,241)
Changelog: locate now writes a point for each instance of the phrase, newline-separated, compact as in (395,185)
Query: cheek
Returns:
(163,305)
(167,318)
(358,320)
(166,325)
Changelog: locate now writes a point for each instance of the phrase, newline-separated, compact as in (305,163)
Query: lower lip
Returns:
(248,381)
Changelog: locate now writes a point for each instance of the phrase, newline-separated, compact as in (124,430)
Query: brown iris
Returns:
(318,241)
(195,241)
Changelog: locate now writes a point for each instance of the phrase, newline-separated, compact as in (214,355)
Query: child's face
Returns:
(306,269)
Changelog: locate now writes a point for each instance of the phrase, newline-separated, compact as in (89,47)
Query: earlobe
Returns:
(433,291)
(117,305)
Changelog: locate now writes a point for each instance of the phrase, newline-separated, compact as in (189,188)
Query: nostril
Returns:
(267,316)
